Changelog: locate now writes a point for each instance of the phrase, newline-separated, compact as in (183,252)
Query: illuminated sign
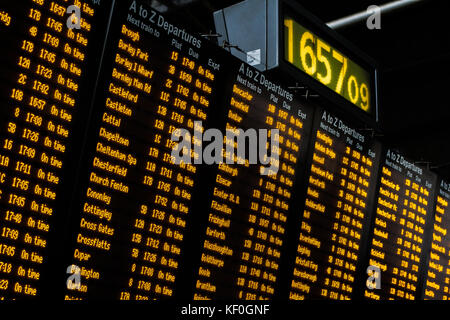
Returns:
(403,208)
(336,213)
(45,83)
(248,212)
(326,64)
(155,81)
(437,283)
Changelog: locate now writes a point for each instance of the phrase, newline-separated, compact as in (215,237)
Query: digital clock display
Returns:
(308,52)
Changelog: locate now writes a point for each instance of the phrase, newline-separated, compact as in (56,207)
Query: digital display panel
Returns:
(248,211)
(336,213)
(45,83)
(404,205)
(437,283)
(317,58)
(135,203)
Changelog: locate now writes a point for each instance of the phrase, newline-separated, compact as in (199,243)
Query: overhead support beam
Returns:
(363,15)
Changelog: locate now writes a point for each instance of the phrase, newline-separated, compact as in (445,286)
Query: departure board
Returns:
(339,198)
(404,205)
(135,202)
(245,226)
(46,85)
(437,283)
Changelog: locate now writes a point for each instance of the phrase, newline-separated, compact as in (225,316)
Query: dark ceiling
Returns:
(413,49)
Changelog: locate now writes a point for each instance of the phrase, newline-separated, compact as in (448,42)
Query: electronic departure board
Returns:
(437,283)
(45,87)
(404,205)
(135,203)
(140,161)
(338,204)
(245,226)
